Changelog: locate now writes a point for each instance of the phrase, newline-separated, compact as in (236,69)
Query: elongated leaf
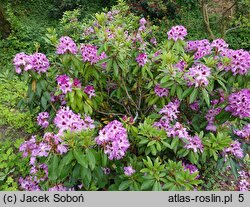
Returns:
(53,168)
(193,95)
(91,159)
(206,96)
(80,157)
(125,184)
(146,185)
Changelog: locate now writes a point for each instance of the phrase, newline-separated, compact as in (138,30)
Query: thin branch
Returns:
(111,113)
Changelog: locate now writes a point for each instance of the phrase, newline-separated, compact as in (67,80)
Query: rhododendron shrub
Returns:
(123,111)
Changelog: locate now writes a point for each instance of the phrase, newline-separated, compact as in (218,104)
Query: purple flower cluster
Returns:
(129,170)
(191,168)
(42,119)
(238,103)
(198,75)
(176,129)
(22,62)
(114,139)
(66,45)
(50,143)
(60,98)
(244,133)
(89,53)
(170,110)
(177,32)
(142,59)
(194,106)
(235,149)
(219,44)
(243,182)
(90,91)
(66,119)
(142,22)
(60,187)
(39,173)
(194,143)
(210,116)
(55,142)
(29,184)
(64,83)
(240,61)
(181,65)
(159,91)
(37,62)
(40,63)
(200,47)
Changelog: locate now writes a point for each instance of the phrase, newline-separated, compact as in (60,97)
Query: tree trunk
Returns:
(4,24)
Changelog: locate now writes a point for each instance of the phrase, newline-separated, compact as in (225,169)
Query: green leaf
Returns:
(205,96)
(173,89)
(146,185)
(2,176)
(125,184)
(80,157)
(91,159)
(179,92)
(53,168)
(193,95)
(187,92)
(151,143)
(157,186)
(44,103)
(233,167)
(65,161)
(174,144)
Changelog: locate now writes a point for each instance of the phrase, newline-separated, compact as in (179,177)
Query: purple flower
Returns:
(90,91)
(28,146)
(42,119)
(42,150)
(220,44)
(129,171)
(142,21)
(240,61)
(39,62)
(244,133)
(66,119)
(191,168)
(142,59)
(235,149)
(63,81)
(66,45)
(113,137)
(238,103)
(194,106)
(89,53)
(153,41)
(171,110)
(101,57)
(201,48)
(106,170)
(198,75)
(22,62)
(181,65)
(161,91)
(58,187)
(61,149)
(177,32)
(29,184)
(77,83)
(210,116)
(194,143)
(244,185)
